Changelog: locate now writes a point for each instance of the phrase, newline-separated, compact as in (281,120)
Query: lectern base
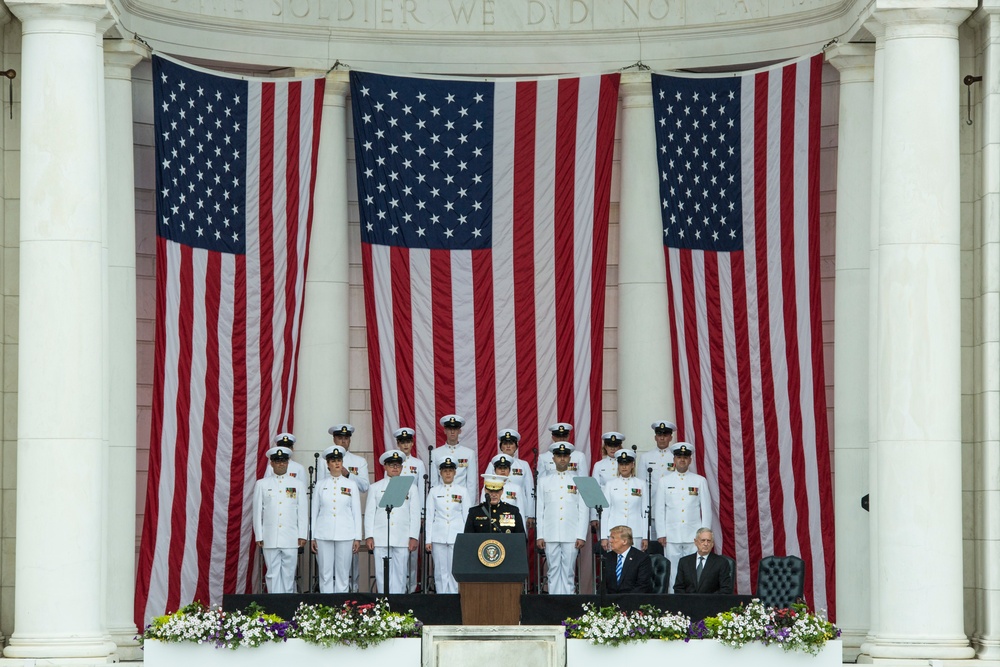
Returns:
(493,603)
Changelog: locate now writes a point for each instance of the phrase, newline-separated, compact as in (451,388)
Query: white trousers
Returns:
(561,558)
(280,564)
(334,559)
(414,578)
(398,567)
(674,551)
(444,582)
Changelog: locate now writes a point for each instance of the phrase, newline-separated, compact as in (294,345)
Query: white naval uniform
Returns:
(662,462)
(403,524)
(520,472)
(547,466)
(280,520)
(295,469)
(336,522)
(356,465)
(447,507)
(627,498)
(467,473)
(561,519)
(605,470)
(415,467)
(681,505)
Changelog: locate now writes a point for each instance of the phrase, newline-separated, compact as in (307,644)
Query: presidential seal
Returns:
(491,553)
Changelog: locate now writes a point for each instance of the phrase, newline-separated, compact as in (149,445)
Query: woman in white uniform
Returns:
(336,521)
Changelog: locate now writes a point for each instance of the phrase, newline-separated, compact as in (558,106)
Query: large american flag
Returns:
(738,160)
(484,220)
(235,169)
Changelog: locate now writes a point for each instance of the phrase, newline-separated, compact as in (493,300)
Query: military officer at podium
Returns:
(493,515)
(561,519)
(403,526)
(447,506)
(280,521)
(514,492)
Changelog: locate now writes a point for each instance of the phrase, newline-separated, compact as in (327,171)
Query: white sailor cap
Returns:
(285,440)
(452,421)
(561,429)
(624,456)
(392,456)
(663,426)
(561,448)
(341,429)
(508,435)
(613,438)
(404,433)
(682,449)
(501,460)
(279,453)
(334,452)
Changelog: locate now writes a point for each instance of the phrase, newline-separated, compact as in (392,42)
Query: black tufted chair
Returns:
(661,573)
(780,580)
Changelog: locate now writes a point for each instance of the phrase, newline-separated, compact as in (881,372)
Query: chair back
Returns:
(780,580)
(661,573)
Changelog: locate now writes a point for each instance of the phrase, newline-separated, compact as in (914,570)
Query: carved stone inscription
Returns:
(494,15)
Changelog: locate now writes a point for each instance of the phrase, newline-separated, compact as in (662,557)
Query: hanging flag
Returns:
(235,169)
(484,222)
(738,160)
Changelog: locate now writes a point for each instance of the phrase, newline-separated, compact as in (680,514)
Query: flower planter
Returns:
(580,652)
(394,652)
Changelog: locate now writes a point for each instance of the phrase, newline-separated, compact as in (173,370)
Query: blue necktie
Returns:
(621,564)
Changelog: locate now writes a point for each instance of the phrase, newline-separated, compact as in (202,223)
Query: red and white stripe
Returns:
(227,334)
(512,336)
(748,363)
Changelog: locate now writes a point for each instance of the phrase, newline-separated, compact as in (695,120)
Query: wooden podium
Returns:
(490,569)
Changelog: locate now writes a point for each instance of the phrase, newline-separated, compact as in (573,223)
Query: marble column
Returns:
(987,340)
(918,355)
(645,370)
(59,548)
(120,56)
(856,64)
(323,393)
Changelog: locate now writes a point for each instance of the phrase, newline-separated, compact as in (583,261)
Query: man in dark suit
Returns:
(703,571)
(636,572)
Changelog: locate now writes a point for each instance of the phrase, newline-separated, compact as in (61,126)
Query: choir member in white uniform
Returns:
(660,458)
(607,467)
(627,497)
(447,505)
(280,521)
(577,461)
(514,492)
(295,469)
(560,520)
(403,526)
(681,505)
(466,458)
(336,522)
(355,468)
(414,467)
(508,440)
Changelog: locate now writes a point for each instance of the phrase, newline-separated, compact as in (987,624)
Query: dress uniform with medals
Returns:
(561,519)
(295,469)
(628,499)
(280,521)
(489,518)
(447,506)
(681,505)
(403,525)
(520,471)
(577,460)
(415,468)
(660,459)
(355,467)
(466,459)
(336,522)
(607,468)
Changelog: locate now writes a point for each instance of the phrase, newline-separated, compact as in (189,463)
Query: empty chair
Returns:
(661,573)
(780,580)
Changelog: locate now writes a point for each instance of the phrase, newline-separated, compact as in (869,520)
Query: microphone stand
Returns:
(309,554)
(534,496)
(388,552)
(649,506)
(421,552)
